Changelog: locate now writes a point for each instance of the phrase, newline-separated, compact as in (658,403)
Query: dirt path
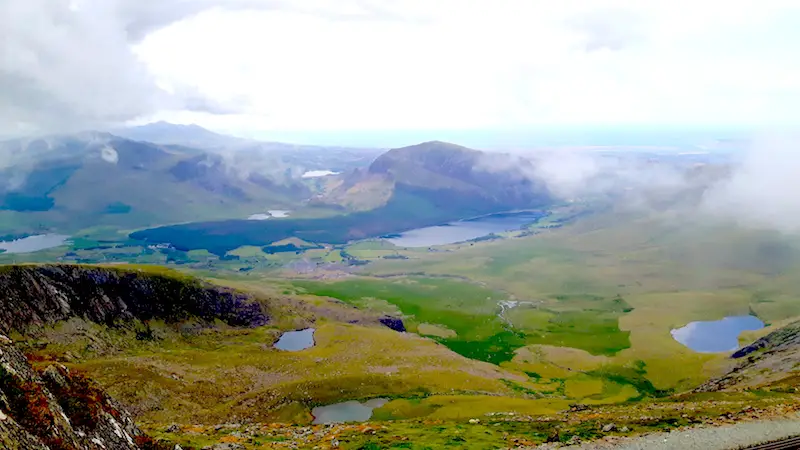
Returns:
(725,437)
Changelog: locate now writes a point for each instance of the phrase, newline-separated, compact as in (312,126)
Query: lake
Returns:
(277,213)
(352,411)
(318,173)
(294,341)
(35,243)
(465,230)
(716,336)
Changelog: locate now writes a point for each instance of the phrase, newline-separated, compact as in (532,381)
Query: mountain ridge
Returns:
(442,166)
(423,185)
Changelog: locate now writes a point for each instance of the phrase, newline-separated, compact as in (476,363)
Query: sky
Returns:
(261,68)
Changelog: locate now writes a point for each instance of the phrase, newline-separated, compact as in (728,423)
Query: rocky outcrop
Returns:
(771,361)
(394,323)
(33,296)
(59,410)
(781,339)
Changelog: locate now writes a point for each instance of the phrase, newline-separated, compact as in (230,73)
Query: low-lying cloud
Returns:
(752,187)
(761,190)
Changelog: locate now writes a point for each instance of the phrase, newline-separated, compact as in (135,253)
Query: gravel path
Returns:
(726,437)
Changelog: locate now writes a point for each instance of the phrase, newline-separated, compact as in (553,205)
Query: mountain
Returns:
(485,181)
(290,158)
(166,133)
(67,183)
(406,188)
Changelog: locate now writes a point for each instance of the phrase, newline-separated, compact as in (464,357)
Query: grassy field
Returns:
(610,287)
(474,314)
(214,376)
(493,430)
(529,324)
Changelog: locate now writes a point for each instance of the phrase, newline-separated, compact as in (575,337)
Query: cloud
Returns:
(395,64)
(414,64)
(750,184)
(608,28)
(759,192)
(70,65)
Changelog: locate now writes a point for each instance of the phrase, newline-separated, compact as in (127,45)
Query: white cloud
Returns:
(402,64)
(67,65)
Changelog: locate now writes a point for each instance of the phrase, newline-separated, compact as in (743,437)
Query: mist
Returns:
(751,188)
(760,191)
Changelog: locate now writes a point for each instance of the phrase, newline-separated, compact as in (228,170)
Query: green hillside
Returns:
(74,182)
(427,184)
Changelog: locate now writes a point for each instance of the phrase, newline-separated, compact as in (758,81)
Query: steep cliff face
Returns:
(52,408)
(772,362)
(58,410)
(32,296)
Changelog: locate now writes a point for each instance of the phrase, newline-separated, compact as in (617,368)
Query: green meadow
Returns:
(473,312)
(529,323)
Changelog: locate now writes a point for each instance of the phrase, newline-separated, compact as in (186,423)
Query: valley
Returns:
(435,300)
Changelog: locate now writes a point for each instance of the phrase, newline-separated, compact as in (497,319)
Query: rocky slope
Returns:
(59,410)
(51,407)
(770,362)
(33,296)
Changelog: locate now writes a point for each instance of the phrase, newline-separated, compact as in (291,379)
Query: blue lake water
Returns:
(352,411)
(464,230)
(35,243)
(294,341)
(716,336)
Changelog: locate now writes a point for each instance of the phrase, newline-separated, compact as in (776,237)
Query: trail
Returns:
(779,434)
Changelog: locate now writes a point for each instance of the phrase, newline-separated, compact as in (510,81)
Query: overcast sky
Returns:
(254,66)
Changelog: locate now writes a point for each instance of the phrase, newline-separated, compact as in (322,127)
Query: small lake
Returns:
(294,341)
(276,213)
(35,243)
(716,336)
(352,411)
(318,173)
(465,230)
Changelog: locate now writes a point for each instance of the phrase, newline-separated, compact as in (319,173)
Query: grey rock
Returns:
(394,323)
(608,428)
(36,296)
(225,446)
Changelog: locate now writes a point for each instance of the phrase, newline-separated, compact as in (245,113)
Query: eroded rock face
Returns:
(32,296)
(56,409)
(59,410)
(393,323)
(769,361)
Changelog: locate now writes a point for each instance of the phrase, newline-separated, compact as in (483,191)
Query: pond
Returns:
(352,411)
(294,341)
(716,336)
(319,173)
(465,230)
(35,243)
(276,213)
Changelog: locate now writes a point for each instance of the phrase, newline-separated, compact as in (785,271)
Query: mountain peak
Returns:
(167,133)
(433,146)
